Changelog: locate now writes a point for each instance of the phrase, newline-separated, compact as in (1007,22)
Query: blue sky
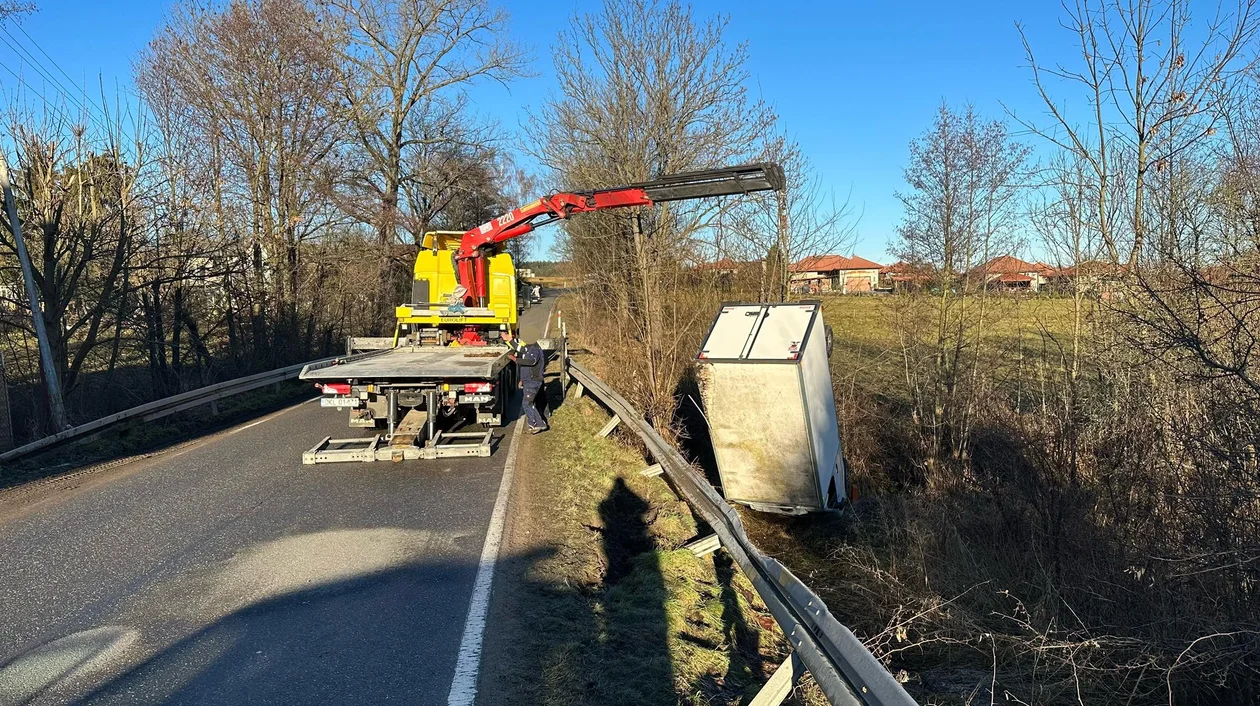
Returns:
(853,82)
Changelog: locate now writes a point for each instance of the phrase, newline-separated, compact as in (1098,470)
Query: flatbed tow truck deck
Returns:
(416,364)
(429,375)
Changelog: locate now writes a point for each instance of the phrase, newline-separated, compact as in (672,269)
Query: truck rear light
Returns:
(478,386)
(336,388)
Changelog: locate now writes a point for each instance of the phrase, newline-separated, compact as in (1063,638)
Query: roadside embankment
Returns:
(609,607)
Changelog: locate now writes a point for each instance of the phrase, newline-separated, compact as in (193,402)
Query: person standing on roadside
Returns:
(530,363)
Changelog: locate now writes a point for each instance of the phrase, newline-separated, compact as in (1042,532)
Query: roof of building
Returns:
(834,263)
(902,271)
(1013,277)
(1009,264)
(1093,268)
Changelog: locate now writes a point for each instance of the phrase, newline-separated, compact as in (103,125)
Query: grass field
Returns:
(867,335)
(906,552)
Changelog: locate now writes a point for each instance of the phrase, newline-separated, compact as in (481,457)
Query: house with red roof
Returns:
(835,273)
(1013,274)
(905,276)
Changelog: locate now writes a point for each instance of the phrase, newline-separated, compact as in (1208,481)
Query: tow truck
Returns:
(446,368)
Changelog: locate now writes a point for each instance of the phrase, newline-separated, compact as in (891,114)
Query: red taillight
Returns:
(478,386)
(337,388)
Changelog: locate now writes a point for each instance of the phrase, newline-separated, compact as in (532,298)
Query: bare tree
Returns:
(11,9)
(1153,93)
(255,82)
(81,223)
(647,90)
(780,228)
(405,66)
(965,177)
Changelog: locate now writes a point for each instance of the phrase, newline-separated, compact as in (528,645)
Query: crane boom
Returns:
(483,240)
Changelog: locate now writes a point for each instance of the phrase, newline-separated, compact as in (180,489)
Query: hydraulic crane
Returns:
(446,360)
(485,240)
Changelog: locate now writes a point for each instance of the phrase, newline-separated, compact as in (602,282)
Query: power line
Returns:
(42,72)
(37,92)
(54,63)
(25,56)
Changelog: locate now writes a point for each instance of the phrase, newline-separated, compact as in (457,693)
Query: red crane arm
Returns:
(522,220)
(470,259)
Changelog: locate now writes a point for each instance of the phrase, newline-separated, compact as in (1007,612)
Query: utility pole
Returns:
(55,403)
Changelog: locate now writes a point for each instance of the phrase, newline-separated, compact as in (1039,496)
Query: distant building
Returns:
(902,276)
(1094,277)
(1010,273)
(835,273)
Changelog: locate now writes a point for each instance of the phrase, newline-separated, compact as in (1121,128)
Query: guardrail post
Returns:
(608,428)
(704,546)
(781,683)
(6,419)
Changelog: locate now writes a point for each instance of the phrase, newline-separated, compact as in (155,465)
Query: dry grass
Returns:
(868,346)
(1007,581)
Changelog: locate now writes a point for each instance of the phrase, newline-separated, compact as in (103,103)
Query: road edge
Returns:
(467,667)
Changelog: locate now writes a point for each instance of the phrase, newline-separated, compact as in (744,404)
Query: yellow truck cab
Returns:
(433,304)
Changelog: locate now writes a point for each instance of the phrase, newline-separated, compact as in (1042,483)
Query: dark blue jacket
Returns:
(530,361)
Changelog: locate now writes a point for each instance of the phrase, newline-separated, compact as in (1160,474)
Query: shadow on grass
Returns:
(638,666)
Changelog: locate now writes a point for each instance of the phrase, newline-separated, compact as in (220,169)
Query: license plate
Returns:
(475,399)
(351,402)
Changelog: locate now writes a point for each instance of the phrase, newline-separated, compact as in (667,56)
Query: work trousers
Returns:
(529,402)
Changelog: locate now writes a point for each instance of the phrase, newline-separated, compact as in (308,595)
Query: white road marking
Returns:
(550,311)
(464,685)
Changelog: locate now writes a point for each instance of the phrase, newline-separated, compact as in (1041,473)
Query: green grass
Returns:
(868,331)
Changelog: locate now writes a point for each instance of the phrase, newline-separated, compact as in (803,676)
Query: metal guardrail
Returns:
(176,403)
(844,669)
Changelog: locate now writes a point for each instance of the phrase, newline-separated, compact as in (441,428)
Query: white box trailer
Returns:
(766,385)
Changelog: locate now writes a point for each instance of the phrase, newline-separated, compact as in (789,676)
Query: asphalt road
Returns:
(226,572)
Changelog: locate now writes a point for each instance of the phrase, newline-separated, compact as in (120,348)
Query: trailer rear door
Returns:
(782,332)
(732,332)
